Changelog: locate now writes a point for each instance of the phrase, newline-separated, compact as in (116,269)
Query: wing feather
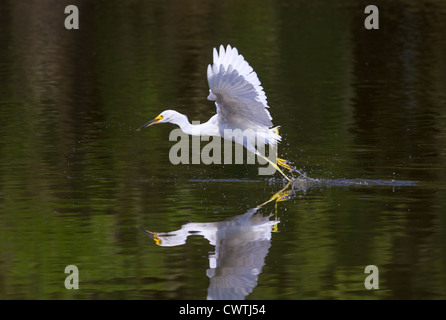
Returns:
(236,89)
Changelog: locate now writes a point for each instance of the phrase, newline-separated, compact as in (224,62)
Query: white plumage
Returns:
(236,89)
(241,105)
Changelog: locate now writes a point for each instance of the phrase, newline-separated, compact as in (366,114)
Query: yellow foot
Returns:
(283,163)
(157,240)
(154,236)
(281,195)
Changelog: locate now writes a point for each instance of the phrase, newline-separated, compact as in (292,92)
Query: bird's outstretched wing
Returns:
(236,89)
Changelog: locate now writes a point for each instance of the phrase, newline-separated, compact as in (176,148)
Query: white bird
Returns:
(241,104)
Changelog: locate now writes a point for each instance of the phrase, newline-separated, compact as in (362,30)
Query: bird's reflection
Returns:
(241,245)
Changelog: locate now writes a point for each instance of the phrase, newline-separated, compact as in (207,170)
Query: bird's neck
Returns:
(204,129)
(183,122)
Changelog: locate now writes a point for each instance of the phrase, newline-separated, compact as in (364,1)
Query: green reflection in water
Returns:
(76,181)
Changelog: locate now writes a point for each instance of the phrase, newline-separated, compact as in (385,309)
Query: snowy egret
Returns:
(241,104)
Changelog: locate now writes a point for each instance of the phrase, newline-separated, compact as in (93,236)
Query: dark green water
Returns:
(362,113)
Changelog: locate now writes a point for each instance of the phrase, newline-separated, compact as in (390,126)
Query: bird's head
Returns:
(165,116)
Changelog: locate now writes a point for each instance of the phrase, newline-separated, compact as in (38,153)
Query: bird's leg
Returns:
(153,235)
(281,162)
(281,195)
(284,163)
(278,196)
(275,166)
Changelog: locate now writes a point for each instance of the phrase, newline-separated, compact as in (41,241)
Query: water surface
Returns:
(362,113)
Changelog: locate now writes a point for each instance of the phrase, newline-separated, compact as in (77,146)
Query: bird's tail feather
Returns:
(275,136)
